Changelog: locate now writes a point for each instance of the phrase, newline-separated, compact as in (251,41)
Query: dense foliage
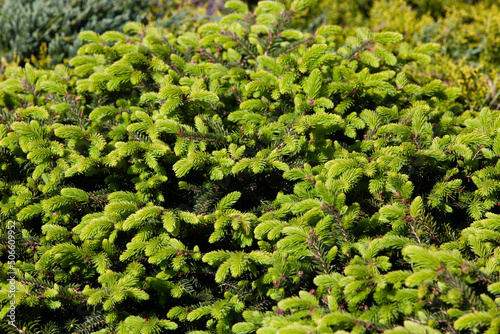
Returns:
(26,24)
(245,175)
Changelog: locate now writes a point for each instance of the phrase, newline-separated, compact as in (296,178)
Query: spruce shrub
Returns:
(468,35)
(247,177)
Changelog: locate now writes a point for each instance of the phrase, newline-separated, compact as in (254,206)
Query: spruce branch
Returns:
(469,295)
(284,18)
(411,221)
(313,242)
(293,46)
(37,283)
(414,138)
(443,318)
(202,137)
(90,323)
(18,329)
(208,55)
(364,45)
(477,152)
(243,43)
